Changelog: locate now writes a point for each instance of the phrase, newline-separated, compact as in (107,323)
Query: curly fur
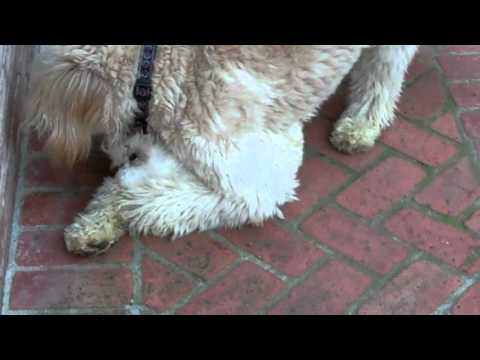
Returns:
(227,122)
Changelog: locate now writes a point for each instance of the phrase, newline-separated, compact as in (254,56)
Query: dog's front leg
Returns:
(100,225)
(177,206)
(376,85)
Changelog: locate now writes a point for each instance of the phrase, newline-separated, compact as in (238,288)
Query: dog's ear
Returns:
(70,99)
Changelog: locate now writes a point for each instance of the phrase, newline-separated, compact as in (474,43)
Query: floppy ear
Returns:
(69,100)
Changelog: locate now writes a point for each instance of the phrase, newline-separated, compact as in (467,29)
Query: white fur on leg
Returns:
(376,86)
(177,207)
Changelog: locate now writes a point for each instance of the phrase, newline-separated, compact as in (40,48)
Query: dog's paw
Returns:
(91,241)
(354,136)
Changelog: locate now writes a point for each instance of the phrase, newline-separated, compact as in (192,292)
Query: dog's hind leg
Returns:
(376,86)
(162,197)
(99,226)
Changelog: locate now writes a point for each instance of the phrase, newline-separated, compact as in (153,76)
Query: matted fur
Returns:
(227,126)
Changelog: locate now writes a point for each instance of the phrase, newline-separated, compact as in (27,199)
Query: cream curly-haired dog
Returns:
(226,122)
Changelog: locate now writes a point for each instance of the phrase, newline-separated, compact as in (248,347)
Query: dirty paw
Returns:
(91,242)
(354,136)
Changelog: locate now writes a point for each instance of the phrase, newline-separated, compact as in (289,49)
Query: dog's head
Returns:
(76,94)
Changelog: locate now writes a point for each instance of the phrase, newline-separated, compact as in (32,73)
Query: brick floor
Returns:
(393,231)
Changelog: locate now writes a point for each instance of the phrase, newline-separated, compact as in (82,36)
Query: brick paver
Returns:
(419,144)
(442,240)
(419,290)
(446,125)
(244,292)
(329,291)
(414,105)
(379,189)
(46,248)
(352,238)
(453,191)
(470,304)
(471,122)
(392,231)
(466,95)
(277,246)
(63,289)
(474,222)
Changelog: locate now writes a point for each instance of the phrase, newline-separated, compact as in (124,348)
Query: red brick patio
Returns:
(394,231)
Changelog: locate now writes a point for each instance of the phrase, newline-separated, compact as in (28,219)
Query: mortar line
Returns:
(137,276)
(458,112)
(332,196)
(72,267)
(70,311)
(246,256)
(425,255)
(15,228)
(340,256)
(461,53)
(200,288)
(294,283)
(452,300)
(377,286)
(191,276)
